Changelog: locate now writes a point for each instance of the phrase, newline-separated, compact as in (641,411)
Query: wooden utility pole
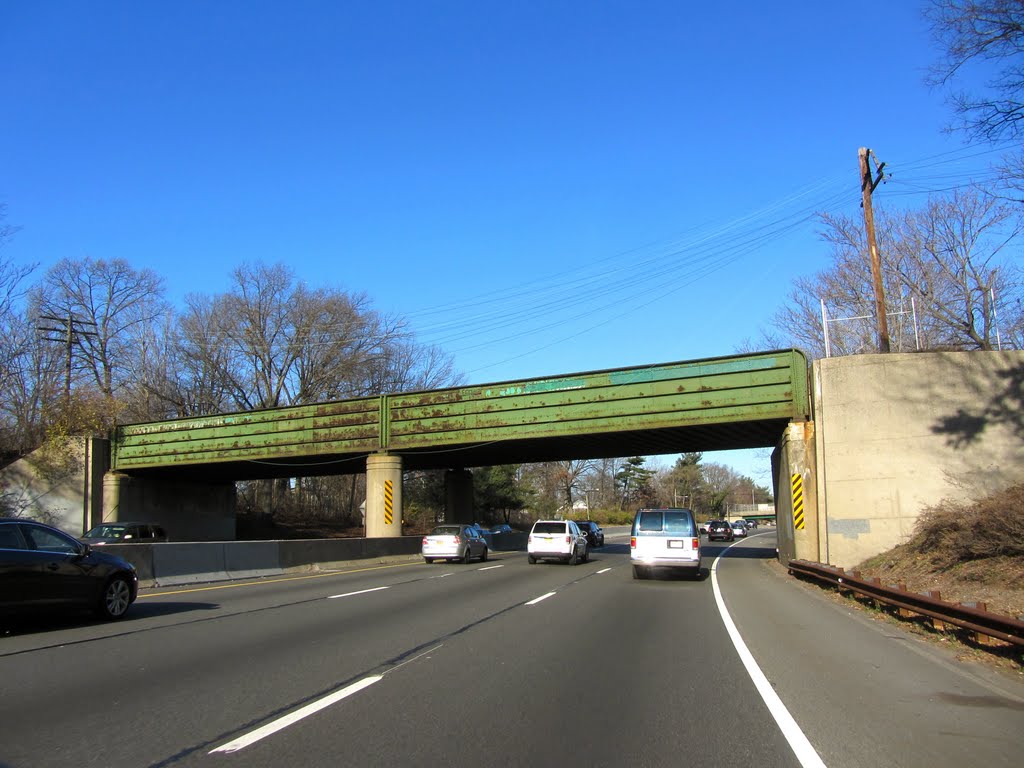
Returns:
(71,331)
(867,186)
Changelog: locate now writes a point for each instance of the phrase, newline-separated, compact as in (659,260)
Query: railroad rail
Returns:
(974,618)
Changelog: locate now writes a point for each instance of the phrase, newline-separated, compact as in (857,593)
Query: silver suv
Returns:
(664,538)
(557,540)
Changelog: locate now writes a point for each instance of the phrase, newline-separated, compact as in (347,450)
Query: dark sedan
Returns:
(125,533)
(593,532)
(43,567)
(720,530)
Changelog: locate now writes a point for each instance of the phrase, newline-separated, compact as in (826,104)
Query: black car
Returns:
(43,567)
(593,532)
(720,530)
(125,533)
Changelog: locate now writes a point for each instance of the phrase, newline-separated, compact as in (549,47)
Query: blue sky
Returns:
(539,187)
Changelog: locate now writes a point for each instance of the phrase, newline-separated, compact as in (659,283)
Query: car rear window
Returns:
(675,521)
(549,528)
(446,530)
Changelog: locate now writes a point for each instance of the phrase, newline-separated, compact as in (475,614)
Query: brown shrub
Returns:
(951,533)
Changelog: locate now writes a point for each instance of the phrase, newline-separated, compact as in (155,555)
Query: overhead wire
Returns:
(607,289)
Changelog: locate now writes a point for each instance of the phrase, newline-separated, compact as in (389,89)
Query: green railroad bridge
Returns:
(745,401)
(859,443)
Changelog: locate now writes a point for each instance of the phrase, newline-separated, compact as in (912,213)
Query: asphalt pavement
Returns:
(496,663)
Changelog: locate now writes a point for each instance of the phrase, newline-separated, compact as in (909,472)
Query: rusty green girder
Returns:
(726,402)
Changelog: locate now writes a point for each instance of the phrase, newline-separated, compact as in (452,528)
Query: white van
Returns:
(664,538)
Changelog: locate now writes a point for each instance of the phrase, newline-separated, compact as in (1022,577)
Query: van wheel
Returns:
(638,572)
(531,559)
(483,557)
(428,560)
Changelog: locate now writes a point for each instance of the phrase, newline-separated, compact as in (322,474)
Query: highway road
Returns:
(499,663)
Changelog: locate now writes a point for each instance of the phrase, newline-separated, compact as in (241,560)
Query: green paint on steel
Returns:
(761,387)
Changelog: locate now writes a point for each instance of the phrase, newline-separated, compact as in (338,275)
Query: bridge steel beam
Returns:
(712,404)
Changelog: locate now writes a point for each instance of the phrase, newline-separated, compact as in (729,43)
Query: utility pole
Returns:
(70,332)
(867,186)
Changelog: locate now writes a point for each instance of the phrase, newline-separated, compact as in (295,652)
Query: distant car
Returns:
(719,530)
(664,538)
(454,542)
(739,529)
(751,524)
(124,533)
(503,528)
(43,567)
(557,540)
(593,532)
(703,528)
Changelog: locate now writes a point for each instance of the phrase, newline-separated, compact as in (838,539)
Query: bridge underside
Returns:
(702,405)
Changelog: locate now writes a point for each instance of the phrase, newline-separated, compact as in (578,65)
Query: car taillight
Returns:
(424,543)
(694,543)
(458,540)
(632,542)
(568,539)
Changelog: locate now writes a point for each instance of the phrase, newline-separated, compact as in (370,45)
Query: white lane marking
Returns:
(490,567)
(538,599)
(798,742)
(310,709)
(443,576)
(360,592)
(604,570)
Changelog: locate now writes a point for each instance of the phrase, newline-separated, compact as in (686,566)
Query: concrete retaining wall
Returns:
(897,433)
(179,563)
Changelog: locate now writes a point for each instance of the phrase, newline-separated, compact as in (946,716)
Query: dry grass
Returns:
(968,552)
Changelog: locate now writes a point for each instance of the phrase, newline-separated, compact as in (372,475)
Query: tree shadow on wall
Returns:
(965,427)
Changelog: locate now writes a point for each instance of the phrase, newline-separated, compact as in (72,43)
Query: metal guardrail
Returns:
(974,618)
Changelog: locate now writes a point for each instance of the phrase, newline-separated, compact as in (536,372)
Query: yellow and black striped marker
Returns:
(389,502)
(797,482)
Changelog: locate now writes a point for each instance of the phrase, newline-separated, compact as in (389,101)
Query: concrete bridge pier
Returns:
(383,496)
(796,497)
(190,511)
(458,496)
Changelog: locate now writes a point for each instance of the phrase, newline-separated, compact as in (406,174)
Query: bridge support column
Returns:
(190,511)
(796,494)
(383,496)
(458,496)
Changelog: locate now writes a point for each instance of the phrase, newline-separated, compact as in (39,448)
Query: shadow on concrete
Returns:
(964,427)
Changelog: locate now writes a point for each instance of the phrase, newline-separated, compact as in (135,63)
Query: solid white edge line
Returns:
(604,570)
(360,592)
(798,742)
(299,714)
(490,567)
(542,597)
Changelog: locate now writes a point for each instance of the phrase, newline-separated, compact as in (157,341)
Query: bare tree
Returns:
(982,32)
(570,474)
(107,308)
(986,36)
(271,341)
(718,482)
(950,279)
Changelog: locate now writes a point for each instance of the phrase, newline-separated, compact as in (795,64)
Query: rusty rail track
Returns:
(973,618)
